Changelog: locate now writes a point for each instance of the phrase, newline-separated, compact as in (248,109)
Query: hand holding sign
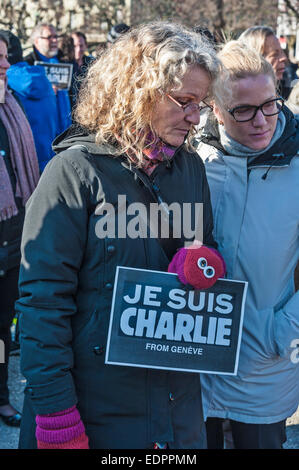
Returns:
(198,266)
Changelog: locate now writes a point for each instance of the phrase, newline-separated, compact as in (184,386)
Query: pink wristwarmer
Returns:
(62,430)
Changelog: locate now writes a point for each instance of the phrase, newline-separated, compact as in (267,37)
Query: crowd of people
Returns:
(164,114)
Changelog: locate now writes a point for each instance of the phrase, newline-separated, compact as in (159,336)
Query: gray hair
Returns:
(174,48)
(37,30)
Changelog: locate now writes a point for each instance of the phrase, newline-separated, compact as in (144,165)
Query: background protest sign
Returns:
(58,74)
(156,323)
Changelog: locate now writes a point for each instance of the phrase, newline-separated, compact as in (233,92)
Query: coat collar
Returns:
(280,154)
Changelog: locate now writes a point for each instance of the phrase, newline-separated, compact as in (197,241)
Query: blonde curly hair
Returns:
(124,83)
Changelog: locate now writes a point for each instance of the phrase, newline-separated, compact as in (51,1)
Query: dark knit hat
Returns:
(116,31)
(14,49)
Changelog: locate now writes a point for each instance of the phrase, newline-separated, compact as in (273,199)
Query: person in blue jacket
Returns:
(45,49)
(34,92)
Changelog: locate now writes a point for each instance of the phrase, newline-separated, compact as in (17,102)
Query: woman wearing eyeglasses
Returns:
(136,116)
(251,157)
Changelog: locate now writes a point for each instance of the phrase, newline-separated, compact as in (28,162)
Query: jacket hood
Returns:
(76,135)
(29,81)
(14,49)
(281,153)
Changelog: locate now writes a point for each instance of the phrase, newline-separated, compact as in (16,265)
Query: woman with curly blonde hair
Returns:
(127,81)
(135,118)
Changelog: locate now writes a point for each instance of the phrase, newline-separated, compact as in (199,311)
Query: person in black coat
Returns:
(135,124)
(82,63)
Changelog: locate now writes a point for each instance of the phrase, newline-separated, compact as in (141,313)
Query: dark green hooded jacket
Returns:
(66,286)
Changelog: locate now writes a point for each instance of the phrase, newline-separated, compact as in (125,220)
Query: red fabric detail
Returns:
(80,442)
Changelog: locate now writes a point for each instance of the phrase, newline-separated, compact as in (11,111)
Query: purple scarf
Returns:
(157,153)
(23,157)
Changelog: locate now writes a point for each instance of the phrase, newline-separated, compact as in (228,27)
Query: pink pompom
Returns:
(198,266)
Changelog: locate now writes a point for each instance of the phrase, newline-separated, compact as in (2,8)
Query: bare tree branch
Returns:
(293,8)
(97,16)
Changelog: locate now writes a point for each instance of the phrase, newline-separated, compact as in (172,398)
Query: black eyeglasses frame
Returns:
(278,98)
(52,36)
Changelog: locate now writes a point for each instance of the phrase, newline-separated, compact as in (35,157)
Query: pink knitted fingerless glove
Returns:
(198,265)
(62,430)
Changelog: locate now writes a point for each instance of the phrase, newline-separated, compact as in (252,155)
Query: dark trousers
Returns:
(8,296)
(246,436)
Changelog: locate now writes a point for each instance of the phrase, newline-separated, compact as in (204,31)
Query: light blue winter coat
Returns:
(256,221)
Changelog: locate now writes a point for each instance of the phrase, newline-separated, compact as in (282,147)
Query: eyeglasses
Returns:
(48,38)
(191,107)
(248,112)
